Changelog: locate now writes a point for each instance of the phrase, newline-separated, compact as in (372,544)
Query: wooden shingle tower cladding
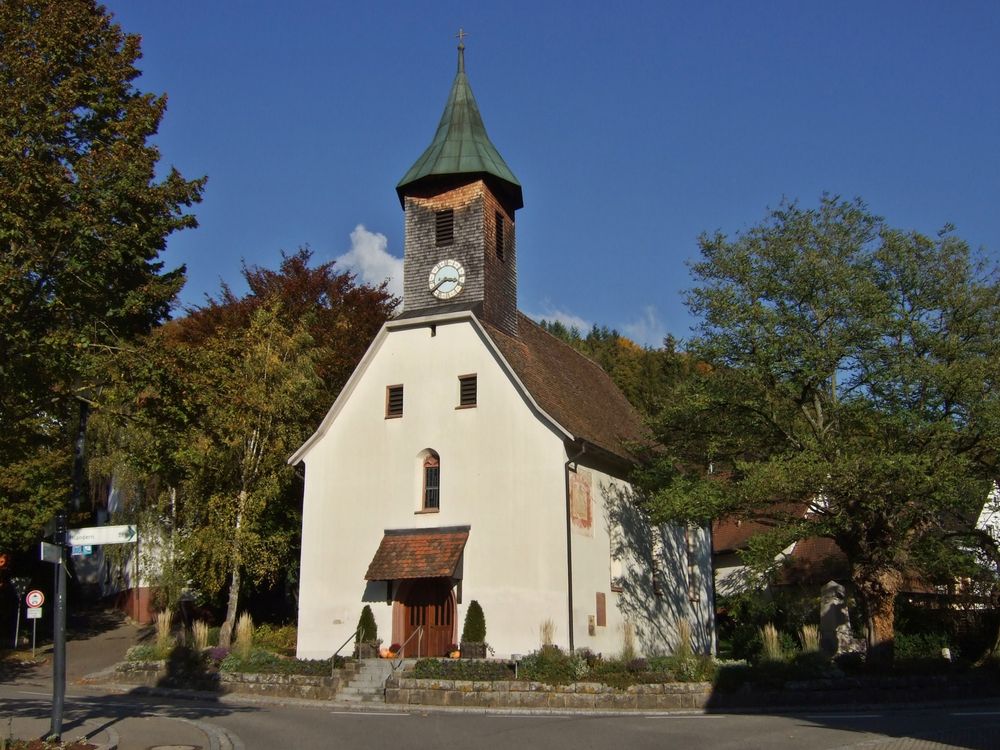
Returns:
(459,200)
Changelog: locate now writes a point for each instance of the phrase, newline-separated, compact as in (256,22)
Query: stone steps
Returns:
(368,683)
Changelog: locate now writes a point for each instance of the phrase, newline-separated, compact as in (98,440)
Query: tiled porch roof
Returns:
(418,553)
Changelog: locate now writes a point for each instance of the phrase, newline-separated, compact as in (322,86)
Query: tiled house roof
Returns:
(418,553)
(572,389)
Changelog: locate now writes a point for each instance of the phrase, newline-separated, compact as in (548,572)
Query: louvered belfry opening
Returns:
(444,227)
(498,234)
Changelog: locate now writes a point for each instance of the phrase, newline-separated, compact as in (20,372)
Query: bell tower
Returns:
(459,200)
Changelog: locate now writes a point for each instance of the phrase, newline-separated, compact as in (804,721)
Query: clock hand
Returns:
(444,281)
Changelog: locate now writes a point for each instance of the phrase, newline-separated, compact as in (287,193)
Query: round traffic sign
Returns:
(35,598)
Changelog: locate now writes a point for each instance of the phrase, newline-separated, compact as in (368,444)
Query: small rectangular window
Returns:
(467,390)
(498,235)
(393,401)
(691,545)
(617,574)
(602,610)
(444,227)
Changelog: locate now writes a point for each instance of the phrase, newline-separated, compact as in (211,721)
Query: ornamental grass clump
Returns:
(199,634)
(164,640)
(683,649)
(770,640)
(810,639)
(547,632)
(244,636)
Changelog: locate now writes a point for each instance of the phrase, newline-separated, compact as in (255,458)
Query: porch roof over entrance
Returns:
(418,553)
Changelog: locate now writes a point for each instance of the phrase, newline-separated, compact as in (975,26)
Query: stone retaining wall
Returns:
(697,695)
(523,694)
(155,674)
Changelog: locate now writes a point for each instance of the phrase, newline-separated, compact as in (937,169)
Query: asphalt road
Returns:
(140,722)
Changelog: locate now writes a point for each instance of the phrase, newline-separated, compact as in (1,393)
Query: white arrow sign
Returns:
(101,535)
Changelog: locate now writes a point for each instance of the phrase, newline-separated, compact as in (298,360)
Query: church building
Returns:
(472,456)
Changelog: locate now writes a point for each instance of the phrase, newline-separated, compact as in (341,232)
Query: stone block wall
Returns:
(522,694)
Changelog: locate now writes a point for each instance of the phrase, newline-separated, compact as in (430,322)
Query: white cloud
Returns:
(554,315)
(371,261)
(648,330)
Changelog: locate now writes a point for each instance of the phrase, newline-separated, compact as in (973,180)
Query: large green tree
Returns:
(83,219)
(204,415)
(848,391)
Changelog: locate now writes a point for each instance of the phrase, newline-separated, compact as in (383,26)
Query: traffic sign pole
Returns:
(59,634)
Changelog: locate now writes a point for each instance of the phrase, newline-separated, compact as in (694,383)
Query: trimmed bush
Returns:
(474,630)
(367,629)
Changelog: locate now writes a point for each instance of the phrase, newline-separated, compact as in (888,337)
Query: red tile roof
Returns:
(418,553)
(572,389)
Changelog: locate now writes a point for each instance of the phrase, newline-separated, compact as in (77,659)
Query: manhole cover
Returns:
(175,747)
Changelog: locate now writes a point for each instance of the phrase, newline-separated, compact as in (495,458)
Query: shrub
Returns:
(218,653)
(280,639)
(265,662)
(552,665)
(474,630)
(145,652)
(186,668)
(367,629)
(244,635)
(921,646)
(453,669)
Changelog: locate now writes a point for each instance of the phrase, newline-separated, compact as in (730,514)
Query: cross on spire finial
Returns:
(462,33)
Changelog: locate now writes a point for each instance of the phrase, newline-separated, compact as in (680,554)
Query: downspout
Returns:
(713,601)
(569,540)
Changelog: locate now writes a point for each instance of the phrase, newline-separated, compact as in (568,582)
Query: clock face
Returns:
(447,279)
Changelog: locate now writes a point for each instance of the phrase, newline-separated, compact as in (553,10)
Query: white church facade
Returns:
(473,456)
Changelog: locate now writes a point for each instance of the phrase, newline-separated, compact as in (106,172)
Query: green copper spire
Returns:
(461,146)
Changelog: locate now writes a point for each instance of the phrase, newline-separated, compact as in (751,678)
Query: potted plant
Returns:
(474,633)
(366,644)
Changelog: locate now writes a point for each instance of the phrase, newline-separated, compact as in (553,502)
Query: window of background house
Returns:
(393,401)
(444,227)
(432,482)
(467,390)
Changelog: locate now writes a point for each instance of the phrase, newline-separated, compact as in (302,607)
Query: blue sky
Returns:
(632,126)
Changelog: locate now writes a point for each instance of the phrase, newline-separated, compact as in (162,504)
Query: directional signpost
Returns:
(55,553)
(93,535)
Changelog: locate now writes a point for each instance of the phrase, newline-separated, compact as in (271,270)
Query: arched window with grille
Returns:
(431,496)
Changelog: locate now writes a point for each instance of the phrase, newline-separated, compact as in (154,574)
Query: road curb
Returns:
(413,708)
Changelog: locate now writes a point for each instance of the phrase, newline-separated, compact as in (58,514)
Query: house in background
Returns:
(473,456)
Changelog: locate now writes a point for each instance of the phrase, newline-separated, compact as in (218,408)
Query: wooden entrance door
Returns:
(429,603)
